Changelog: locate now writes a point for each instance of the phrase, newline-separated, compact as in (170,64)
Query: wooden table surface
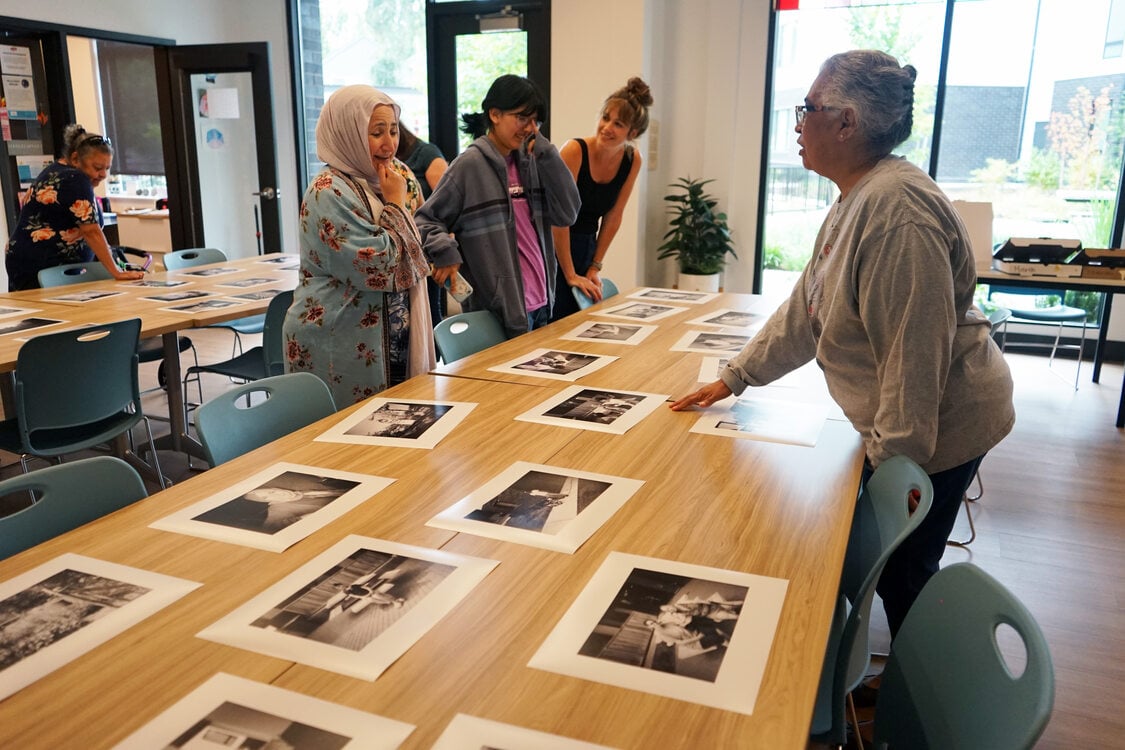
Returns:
(762,508)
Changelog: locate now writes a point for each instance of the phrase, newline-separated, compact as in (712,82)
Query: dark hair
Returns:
(880,92)
(76,139)
(508,93)
(632,101)
(406,141)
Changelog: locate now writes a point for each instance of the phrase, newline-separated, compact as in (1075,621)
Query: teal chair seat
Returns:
(467,333)
(609,289)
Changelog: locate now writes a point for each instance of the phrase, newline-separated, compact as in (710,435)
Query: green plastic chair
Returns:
(882,520)
(55,414)
(227,428)
(467,333)
(947,684)
(609,289)
(70,495)
(200,256)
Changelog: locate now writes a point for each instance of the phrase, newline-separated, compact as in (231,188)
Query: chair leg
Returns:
(854,718)
(972,527)
(980,488)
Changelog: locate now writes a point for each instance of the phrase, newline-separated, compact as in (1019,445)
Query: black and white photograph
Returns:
(355,608)
(597,409)
(158,283)
(640,311)
(673,295)
(58,611)
(276,507)
(8,312)
(279,260)
(708,342)
(261,294)
(82,297)
(399,423)
(465,732)
(539,505)
(232,712)
(729,319)
(555,364)
(180,296)
(208,272)
(246,283)
(684,631)
(205,305)
(710,368)
(789,422)
(18,325)
(610,333)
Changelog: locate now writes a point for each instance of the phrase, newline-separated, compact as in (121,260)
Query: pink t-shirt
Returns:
(532,270)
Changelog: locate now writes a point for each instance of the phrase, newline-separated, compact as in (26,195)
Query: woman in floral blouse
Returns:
(360,319)
(60,221)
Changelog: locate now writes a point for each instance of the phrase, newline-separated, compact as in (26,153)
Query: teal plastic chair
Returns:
(228,428)
(609,289)
(69,495)
(882,520)
(467,333)
(947,683)
(55,414)
(200,256)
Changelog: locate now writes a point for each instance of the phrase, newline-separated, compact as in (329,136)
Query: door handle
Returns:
(268,193)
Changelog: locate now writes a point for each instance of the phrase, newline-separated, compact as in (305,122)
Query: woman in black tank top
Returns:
(605,167)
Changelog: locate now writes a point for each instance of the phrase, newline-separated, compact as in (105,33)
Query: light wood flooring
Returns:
(1050,526)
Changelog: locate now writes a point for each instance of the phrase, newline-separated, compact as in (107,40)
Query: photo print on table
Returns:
(555,364)
(709,342)
(466,732)
(683,631)
(232,712)
(789,422)
(181,296)
(610,333)
(355,608)
(276,507)
(89,295)
(244,283)
(261,294)
(399,423)
(208,272)
(729,319)
(205,305)
(673,295)
(639,311)
(54,613)
(280,259)
(8,312)
(10,326)
(158,283)
(710,368)
(540,506)
(597,409)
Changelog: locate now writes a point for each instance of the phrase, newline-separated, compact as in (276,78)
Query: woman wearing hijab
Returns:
(359,320)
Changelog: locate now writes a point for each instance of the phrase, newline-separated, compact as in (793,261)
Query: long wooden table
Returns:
(762,508)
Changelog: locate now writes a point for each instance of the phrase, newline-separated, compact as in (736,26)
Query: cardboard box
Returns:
(1103,272)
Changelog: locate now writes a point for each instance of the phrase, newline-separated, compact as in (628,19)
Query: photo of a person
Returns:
(399,419)
(26,324)
(282,502)
(602,407)
(558,362)
(540,501)
(610,331)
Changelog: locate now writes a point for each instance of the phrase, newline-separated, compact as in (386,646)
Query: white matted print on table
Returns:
(597,409)
(673,295)
(466,732)
(539,505)
(355,608)
(637,310)
(10,312)
(82,297)
(606,332)
(555,364)
(789,422)
(205,305)
(226,710)
(683,631)
(710,368)
(276,507)
(726,318)
(709,342)
(54,613)
(18,325)
(399,423)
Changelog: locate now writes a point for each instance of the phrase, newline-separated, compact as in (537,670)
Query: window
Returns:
(127,75)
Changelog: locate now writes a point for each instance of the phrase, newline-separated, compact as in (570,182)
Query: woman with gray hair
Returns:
(885,306)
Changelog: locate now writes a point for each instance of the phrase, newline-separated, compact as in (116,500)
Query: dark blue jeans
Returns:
(919,555)
(539,318)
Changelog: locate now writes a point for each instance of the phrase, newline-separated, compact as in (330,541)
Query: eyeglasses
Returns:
(524,120)
(802,111)
(95,140)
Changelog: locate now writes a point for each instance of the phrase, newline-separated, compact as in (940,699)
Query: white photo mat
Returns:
(672,295)
(640,311)
(183,296)
(555,364)
(244,283)
(358,641)
(205,273)
(735,685)
(466,732)
(281,259)
(186,520)
(399,423)
(727,318)
(597,409)
(709,342)
(84,297)
(710,367)
(567,524)
(18,325)
(205,305)
(225,704)
(158,283)
(789,422)
(8,312)
(605,332)
(65,576)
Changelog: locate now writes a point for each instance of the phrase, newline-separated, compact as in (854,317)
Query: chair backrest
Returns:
(47,396)
(71,494)
(609,289)
(273,339)
(193,256)
(947,682)
(73,273)
(467,333)
(228,428)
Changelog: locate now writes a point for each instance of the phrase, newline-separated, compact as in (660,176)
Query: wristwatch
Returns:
(596,264)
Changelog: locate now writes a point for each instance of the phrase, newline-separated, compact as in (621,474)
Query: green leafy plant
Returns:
(699,238)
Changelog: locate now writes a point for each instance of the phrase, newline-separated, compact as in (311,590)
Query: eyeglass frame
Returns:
(95,140)
(524,120)
(801,111)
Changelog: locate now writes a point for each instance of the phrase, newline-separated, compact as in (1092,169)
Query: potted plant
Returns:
(699,238)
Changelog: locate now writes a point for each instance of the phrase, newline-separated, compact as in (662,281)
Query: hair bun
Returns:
(640,91)
(910,71)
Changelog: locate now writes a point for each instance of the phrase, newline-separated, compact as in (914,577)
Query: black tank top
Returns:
(598,197)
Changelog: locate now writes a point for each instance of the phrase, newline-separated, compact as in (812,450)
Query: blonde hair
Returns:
(632,101)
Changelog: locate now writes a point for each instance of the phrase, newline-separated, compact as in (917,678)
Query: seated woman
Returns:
(60,221)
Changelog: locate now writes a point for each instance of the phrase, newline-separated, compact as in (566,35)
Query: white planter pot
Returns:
(691,282)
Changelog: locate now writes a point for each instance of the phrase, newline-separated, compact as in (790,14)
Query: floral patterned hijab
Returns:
(341,131)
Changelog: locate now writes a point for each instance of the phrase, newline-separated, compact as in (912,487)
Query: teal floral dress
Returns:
(349,322)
